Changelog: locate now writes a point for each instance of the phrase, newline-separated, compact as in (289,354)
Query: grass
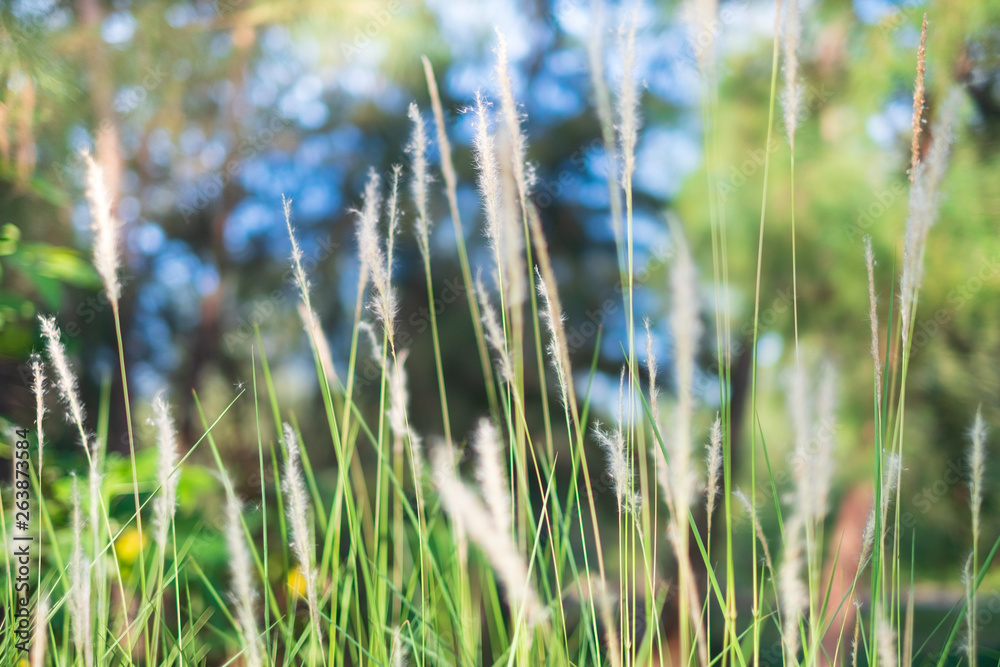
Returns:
(407,560)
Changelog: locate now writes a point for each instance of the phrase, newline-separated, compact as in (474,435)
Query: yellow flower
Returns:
(297,582)
(128,546)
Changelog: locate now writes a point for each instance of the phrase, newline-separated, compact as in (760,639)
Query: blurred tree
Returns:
(205,113)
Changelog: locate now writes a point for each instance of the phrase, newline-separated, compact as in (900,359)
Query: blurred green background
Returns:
(205,113)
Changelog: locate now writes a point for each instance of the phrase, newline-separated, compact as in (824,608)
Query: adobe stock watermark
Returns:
(738,175)
(547,191)
(86,312)
(784,477)
(925,329)
(263,309)
(704,36)
(417,322)
(871,212)
(579,333)
(903,12)
(127,101)
(211,186)
(956,472)
(367,33)
(780,305)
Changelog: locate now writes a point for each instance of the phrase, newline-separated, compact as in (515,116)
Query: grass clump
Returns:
(406,562)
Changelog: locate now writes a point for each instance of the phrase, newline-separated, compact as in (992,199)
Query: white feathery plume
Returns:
(714,466)
(373,258)
(885,638)
(685,325)
(494,332)
(492,474)
(893,468)
(651,366)
(365,327)
(38,636)
(812,466)
(613,444)
(298,510)
(557,349)
(924,202)
(554,307)
(301,280)
(166,441)
(873,316)
(512,120)
(65,378)
(369,247)
(243,594)
(619,466)
(392,210)
(821,457)
(801,419)
(791,590)
(511,236)
(628,100)
(971,620)
(417,149)
(79,594)
(489,172)
(310,321)
(469,512)
(397,650)
(105,228)
(890,476)
(977,465)
(867,539)
(38,388)
(792,98)
(703,24)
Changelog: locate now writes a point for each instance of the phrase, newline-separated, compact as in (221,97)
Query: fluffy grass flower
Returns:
(479,524)
(492,474)
(493,332)
(925,197)
(375,265)
(166,443)
(417,149)
(792,97)
(512,121)
(242,591)
(714,467)
(298,510)
(65,377)
(38,389)
(79,598)
(105,228)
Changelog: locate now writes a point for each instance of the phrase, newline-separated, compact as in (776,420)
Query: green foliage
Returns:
(562,552)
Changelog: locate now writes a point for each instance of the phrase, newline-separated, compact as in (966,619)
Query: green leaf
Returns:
(59,263)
